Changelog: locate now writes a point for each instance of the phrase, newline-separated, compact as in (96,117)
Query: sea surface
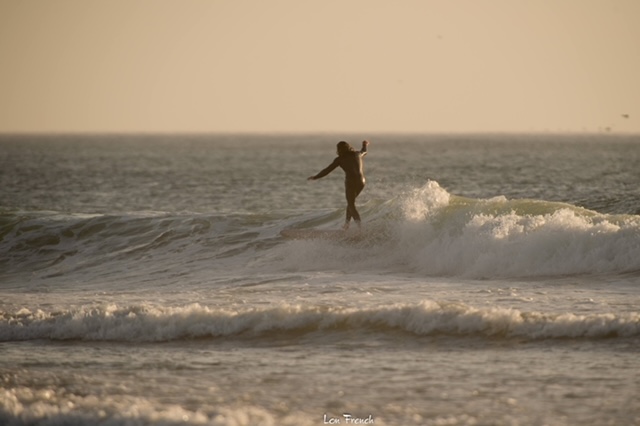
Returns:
(144,280)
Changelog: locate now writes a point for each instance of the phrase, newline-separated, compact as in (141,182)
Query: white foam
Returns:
(22,405)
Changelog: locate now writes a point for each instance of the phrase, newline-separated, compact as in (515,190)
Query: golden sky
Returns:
(328,66)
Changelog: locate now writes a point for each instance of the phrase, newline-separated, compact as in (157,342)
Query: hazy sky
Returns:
(325,65)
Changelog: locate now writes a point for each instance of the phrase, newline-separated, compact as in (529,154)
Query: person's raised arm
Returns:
(363,151)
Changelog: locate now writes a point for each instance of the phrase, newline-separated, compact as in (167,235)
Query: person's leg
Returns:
(352,191)
(351,199)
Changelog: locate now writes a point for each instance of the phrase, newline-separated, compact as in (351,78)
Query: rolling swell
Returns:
(147,323)
(50,241)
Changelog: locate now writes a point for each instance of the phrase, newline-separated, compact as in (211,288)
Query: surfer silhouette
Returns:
(350,161)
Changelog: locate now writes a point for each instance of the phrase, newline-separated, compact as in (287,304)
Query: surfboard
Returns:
(318,234)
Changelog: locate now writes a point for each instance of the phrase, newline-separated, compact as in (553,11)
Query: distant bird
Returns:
(625,115)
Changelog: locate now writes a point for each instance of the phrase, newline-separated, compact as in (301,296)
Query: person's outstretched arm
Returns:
(326,170)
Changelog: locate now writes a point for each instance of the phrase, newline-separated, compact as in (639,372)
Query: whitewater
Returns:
(145,280)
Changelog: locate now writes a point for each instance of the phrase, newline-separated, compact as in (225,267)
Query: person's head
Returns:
(343,148)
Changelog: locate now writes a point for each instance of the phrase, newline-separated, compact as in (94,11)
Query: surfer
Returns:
(350,161)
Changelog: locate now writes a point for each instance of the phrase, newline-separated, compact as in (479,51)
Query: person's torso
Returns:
(352,165)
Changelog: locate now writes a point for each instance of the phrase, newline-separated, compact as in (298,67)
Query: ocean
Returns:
(144,280)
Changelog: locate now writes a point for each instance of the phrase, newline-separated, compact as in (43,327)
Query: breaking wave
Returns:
(145,323)
(431,232)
